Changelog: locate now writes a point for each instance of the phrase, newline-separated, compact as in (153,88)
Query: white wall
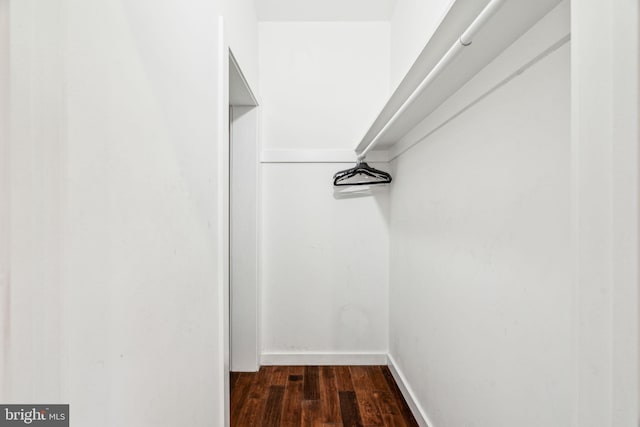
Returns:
(324,260)
(412,24)
(244,251)
(241,27)
(322,83)
(114,208)
(481,287)
(605,134)
(34,173)
(4,195)
(324,263)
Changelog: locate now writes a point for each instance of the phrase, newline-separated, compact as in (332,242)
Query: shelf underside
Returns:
(512,20)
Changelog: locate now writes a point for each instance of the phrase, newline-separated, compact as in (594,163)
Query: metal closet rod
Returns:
(465,40)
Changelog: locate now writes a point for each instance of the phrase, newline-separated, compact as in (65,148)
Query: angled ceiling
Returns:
(324,10)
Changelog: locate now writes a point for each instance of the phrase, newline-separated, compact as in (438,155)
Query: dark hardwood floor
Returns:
(313,396)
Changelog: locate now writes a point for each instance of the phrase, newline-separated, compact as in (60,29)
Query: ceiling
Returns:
(324,10)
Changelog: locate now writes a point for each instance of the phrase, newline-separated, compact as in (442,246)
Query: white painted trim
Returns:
(545,37)
(319,156)
(5,199)
(245,346)
(222,370)
(605,99)
(625,299)
(244,247)
(418,412)
(259,234)
(323,359)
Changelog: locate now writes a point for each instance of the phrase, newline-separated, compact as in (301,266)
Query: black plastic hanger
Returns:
(361,174)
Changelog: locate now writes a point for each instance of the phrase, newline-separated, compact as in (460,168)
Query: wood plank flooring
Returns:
(318,396)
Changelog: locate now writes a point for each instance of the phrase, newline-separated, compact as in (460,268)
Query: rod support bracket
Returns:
(465,43)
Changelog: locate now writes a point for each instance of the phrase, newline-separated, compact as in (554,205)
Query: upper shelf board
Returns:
(510,22)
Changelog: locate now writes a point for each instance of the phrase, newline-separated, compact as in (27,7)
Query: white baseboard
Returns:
(298,359)
(418,412)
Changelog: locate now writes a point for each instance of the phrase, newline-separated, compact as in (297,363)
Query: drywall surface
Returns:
(412,24)
(33,192)
(605,134)
(480,276)
(328,10)
(322,83)
(325,264)
(324,260)
(114,283)
(4,195)
(244,249)
(241,28)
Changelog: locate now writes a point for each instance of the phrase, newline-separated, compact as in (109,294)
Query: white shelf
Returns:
(510,22)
